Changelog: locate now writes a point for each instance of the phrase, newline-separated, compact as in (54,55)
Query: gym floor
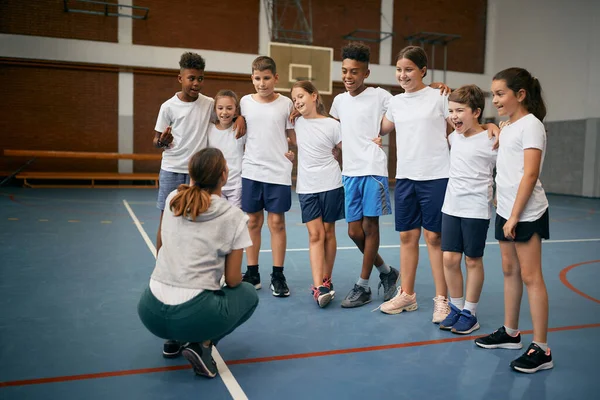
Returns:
(75,261)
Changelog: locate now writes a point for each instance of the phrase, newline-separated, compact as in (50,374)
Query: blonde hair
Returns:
(310,88)
(206,168)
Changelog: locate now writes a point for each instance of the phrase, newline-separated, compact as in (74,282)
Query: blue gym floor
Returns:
(74,263)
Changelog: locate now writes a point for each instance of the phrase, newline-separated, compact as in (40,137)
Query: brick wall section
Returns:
(332,19)
(48,18)
(200,24)
(58,109)
(462,17)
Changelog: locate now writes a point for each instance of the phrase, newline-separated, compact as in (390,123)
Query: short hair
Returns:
(263,63)
(191,60)
(414,54)
(356,51)
(472,96)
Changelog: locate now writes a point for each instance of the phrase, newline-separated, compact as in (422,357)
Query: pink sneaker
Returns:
(441,309)
(400,302)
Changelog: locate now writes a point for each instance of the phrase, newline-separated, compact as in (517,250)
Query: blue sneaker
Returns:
(451,319)
(466,323)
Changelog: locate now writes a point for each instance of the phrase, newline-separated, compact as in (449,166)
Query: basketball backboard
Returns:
(300,62)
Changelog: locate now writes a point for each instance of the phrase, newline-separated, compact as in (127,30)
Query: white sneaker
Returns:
(441,309)
(400,302)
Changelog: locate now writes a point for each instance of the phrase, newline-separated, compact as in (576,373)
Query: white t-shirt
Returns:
(318,170)
(266,141)
(526,133)
(470,187)
(360,117)
(189,123)
(233,150)
(421,145)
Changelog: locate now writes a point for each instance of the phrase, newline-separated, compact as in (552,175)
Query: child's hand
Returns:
(509,228)
(444,89)
(494,132)
(294,116)
(378,141)
(290,156)
(166,138)
(239,127)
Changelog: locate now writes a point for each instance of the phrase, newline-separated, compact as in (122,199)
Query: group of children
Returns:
(447,193)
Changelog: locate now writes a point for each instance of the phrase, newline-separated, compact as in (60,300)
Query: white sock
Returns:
(512,332)
(472,307)
(459,302)
(543,346)
(363,282)
(383,268)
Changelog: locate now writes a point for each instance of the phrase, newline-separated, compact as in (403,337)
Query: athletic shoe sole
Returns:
(509,346)
(277,294)
(171,355)
(324,300)
(473,328)
(395,311)
(346,305)
(541,367)
(199,367)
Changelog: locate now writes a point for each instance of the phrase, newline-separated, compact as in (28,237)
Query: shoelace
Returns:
(398,294)
(315,292)
(327,283)
(439,305)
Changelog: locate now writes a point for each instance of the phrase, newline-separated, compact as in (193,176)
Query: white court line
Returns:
(397,246)
(228,379)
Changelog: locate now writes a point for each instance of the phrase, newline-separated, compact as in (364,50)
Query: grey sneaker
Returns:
(389,282)
(201,359)
(358,296)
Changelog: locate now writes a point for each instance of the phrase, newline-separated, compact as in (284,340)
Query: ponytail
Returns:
(190,201)
(534,101)
(206,169)
(519,78)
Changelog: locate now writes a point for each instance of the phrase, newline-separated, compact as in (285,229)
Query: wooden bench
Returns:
(93,177)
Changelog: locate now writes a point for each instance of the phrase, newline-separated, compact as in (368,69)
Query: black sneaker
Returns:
(201,359)
(279,285)
(500,340)
(358,296)
(533,360)
(253,279)
(172,349)
(389,282)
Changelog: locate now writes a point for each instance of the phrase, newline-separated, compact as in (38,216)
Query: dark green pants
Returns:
(211,315)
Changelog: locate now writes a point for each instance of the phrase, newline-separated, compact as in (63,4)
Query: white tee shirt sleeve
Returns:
(535,137)
(241,239)
(163,120)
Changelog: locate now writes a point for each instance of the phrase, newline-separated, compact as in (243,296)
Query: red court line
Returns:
(563,279)
(68,378)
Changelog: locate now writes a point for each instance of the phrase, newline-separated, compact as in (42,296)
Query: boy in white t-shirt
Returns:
(266,172)
(365,170)
(467,207)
